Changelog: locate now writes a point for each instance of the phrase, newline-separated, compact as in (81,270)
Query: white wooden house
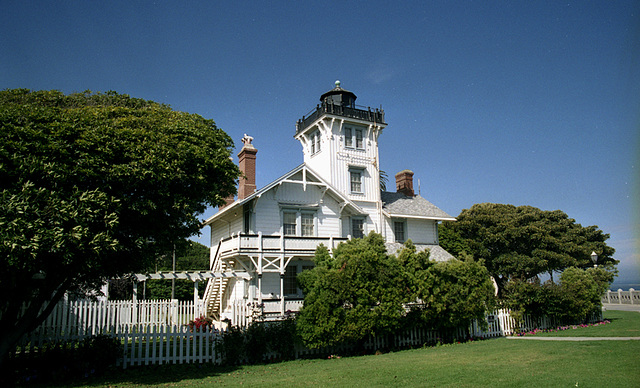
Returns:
(271,234)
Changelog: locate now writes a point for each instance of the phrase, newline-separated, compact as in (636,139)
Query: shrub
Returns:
(200,324)
(61,362)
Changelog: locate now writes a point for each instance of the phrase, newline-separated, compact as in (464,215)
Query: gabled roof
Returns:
(400,205)
(302,175)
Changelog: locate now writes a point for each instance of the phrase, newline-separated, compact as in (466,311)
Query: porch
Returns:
(264,258)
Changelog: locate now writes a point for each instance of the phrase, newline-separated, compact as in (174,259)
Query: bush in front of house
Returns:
(260,342)
(63,362)
(572,300)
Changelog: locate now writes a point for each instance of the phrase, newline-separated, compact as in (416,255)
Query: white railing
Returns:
(248,243)
(621,297)
(289,305)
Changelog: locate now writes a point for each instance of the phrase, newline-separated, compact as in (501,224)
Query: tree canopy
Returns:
(351,295)
(94,186)
(362,291)
(190,256)
(523,242)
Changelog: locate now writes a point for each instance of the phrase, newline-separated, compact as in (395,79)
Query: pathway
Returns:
(622,307)
(577,338)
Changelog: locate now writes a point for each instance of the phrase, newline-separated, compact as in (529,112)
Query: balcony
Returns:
(251,244)
(354,112)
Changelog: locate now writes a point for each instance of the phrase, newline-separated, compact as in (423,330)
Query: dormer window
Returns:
(314,140)
(353,138)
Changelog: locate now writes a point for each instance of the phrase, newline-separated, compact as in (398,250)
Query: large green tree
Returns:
(352,294)
(95,186)
(522,242)
(362,291)
(447,295)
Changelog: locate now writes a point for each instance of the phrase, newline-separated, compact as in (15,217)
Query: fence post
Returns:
(631,291)
(619,295)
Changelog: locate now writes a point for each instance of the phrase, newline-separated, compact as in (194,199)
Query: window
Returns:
(314,139)
(398,230)
(290,282)
(247,220)
(359,144)
(357,227)
(356,180)
(298,223)
(348,139)
(353,138)
(289,223)
(291,279)
(307,224)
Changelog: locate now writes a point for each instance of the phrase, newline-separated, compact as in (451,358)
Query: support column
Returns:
(195,293)
(282,294)
(135,291)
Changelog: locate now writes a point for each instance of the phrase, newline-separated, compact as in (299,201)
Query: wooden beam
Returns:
(193,276)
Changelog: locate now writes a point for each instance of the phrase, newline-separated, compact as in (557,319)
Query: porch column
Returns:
(195,293)
(281,293)
(260,287)
(135,291)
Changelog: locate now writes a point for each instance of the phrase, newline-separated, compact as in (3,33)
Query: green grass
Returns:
(623,324)
(497,363)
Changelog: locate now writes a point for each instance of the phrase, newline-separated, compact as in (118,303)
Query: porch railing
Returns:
(254,243)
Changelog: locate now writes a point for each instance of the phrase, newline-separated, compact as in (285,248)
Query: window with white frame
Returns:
(291,279)
(357,227)
(289,223)
(308,224)
(355,180)
(298,223)
(358,135)
(315,141)
(398,231)
(354,138)
(348,137)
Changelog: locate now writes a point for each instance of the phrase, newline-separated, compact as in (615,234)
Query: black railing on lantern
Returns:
(367,114)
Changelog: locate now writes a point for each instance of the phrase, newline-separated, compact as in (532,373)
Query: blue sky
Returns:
(527,103)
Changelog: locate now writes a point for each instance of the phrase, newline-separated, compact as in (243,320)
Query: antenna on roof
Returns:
(418,186)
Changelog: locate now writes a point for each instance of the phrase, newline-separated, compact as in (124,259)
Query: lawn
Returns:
(622,324)
(497,363)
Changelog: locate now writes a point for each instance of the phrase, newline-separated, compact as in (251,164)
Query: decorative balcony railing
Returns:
(256,243)
(366,114)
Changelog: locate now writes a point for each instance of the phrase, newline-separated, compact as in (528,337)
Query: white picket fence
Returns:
(622,297)
(177,345)
(76,320)
(156,332)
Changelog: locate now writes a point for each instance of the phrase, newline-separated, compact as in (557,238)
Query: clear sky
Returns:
(520,102)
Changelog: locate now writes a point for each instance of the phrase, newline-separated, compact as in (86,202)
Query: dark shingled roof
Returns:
(398,204)
(437,253)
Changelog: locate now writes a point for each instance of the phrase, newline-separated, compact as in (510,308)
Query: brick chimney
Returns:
(247,164)
(404,183)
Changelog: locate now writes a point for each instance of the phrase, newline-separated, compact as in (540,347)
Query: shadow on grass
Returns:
(156,374)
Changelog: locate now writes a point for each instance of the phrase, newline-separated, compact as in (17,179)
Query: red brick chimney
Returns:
(404,183)
(247,164)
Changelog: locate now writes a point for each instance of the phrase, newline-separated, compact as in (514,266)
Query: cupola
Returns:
(339,96)
(339,102)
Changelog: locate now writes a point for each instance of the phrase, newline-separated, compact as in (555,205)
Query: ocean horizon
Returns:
(624,286)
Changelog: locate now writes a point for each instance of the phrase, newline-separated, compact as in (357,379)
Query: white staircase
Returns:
(216,287)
